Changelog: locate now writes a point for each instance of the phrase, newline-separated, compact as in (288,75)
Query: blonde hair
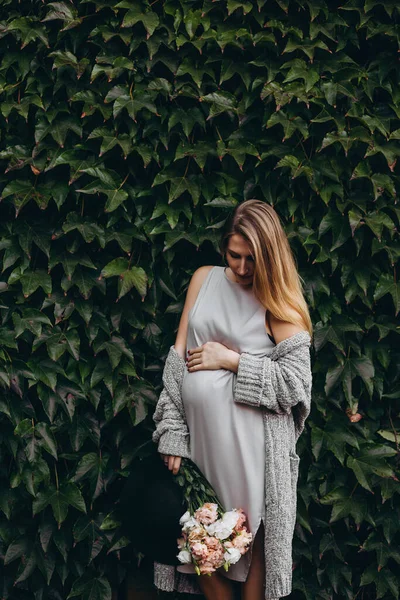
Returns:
(276,284)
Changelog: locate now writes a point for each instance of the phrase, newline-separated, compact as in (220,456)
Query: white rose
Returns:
(230,519)
(185,557)
(232,555)
(190,524)
(219,530)
(184,517)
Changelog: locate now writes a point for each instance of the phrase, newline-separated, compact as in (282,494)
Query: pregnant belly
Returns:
(203,388)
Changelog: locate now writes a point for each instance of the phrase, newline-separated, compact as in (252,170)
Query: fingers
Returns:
(194,361)
(176,465)
(194,350)
(173,463)
(194,358)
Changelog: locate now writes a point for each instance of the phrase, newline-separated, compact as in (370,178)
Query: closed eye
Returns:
(238,256)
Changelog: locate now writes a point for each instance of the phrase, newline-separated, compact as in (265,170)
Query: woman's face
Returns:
(240,259)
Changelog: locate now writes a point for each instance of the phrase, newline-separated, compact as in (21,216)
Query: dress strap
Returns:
(269,325)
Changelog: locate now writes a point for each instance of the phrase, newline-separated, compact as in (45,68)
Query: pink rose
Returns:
(207,514)
(242,541)
(241,519)
(216,558)
(199,550)
(212,543)
(206,568)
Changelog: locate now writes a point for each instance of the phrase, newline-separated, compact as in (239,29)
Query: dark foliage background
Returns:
(128,129)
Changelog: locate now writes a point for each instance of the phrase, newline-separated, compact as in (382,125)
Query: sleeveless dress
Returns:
(227,438)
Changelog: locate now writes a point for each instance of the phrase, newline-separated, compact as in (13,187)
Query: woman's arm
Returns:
(276,382)
(191,296)
(213,355)
(279,382)
(171,433)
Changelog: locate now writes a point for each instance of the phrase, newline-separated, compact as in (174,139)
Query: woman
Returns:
(244,334)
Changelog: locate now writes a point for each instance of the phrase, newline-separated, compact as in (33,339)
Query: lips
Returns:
(243,277)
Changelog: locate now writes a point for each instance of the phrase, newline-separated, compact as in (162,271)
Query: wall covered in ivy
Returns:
(128,131)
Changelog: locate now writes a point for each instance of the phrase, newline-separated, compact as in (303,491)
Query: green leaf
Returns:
(110,522)
(388,285)
(391,436)
(128,277)
(334,437)
(91,588)
(371,461)
(16,549)
(134,15)
(60,499)
(47,439)
(88,229)
(44,371)
(134,277)
(115,267)
(346,371)
(32,280)
(92,466)
(220,102)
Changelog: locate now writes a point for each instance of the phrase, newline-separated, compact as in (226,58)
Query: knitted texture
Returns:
(280,382)
(280,385)
(171,433)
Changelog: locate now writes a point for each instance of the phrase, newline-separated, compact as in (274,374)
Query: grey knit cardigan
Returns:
(280,385)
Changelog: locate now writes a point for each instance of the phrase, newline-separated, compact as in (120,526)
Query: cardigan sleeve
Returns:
(171,433)
(281,382)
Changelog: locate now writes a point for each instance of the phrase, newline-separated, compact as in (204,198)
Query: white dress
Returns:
(227,438)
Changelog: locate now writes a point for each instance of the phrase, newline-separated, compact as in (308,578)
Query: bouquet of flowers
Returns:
(211,537)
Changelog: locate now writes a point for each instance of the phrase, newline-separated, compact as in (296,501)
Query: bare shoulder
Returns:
(199,276)
(195,284)
(284,329)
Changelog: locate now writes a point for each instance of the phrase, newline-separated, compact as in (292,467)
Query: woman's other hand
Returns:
(172,462)
(212,356)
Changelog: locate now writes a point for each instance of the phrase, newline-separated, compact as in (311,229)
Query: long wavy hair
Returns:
(276,284)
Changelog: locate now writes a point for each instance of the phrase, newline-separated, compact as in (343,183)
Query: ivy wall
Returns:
(128,130)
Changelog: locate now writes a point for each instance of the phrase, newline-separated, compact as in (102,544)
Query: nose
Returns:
(242,269)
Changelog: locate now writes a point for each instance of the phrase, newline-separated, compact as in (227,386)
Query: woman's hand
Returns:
(212,356)
(172,462)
